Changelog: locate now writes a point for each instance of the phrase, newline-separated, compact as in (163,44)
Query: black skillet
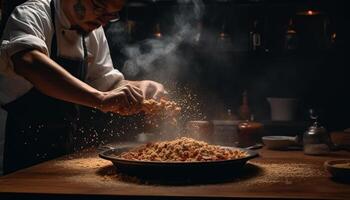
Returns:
(177,170)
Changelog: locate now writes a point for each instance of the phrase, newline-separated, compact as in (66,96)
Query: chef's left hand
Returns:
(150,89)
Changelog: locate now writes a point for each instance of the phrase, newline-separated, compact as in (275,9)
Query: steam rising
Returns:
(160,55)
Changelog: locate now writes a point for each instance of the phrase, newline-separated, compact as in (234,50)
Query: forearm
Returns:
(53,80)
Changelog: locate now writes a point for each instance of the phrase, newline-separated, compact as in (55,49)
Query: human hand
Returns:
(151,89)
(126,99)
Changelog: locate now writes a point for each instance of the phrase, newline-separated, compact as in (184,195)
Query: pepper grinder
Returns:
(316,139)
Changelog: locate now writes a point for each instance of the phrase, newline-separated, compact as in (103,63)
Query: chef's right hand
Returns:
(124,100)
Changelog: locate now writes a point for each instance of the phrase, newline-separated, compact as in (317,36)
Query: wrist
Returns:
(98,99)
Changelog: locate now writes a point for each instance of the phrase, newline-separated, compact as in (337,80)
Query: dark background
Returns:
(315,71)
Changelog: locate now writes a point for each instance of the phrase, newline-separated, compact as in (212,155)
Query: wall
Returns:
(219,71)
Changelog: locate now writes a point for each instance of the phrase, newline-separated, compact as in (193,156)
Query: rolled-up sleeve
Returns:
(27,28)
(101,73)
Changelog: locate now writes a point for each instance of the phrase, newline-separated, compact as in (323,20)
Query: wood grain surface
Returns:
(275,174)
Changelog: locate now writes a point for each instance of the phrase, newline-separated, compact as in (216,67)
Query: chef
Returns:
(54,55)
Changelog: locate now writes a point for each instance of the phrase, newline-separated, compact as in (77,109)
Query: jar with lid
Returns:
(316,139)
(249,133)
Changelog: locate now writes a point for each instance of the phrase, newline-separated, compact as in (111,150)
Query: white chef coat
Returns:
(30,26)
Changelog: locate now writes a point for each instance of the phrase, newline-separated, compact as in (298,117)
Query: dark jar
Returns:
(249,133)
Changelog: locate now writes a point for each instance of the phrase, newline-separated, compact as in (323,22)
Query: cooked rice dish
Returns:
(182,150)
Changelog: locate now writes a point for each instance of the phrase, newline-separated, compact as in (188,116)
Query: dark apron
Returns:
(39,127)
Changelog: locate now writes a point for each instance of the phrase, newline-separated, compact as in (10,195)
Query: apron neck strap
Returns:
(54,50)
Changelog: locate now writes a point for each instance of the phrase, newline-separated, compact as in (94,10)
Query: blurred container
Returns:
(316,139)
(200,130)
(340,138)
(339,169)
(280,142)
(249,133)
(225,132)
(283,109)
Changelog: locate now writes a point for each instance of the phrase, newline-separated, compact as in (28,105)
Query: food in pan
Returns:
(182,150)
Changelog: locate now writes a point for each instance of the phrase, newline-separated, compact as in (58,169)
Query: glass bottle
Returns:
(255,37)
(316,139)
(157,32)
(291,40)
(244,110)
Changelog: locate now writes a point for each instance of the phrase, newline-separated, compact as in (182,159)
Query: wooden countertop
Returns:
(275,174)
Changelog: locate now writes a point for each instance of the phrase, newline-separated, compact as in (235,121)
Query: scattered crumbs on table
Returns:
(102,172)
(284,173)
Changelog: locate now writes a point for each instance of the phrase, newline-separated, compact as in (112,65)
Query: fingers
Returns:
(159,92)
(130,95)
(137,94)
(131,99)
(152,90)
(133,94)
